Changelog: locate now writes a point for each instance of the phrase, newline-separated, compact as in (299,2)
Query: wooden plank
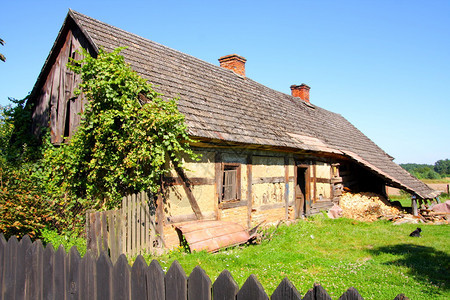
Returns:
(314,182)
(87,276)
(171,181)
(351,294)
(176,283)
(3,245)
(279,179)
(47,272)
(112,237)
(232,204)
(317,292)
(143,238)
(59,273)
(139,279)
(225,287)
(160,217)
(133,225)
(121,279)
(104,230)
(98,233)
(54,103)
(190,217)
(128,224)
(73,276)
(323,180)
(22,268)
(9,271)
(252,289)
(147,223)
(155,281)
(286,186)
(199,285)
(104,277)
(286,291)
(307,190)
(249,189)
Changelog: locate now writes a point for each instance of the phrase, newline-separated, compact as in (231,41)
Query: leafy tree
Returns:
(127,138)
(442,167)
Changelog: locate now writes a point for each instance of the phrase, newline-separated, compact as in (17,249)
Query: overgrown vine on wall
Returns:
(127,135)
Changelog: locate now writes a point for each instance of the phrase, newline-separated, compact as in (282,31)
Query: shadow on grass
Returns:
(425,263)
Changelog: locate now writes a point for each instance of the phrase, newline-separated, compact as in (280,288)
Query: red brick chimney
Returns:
(301,91)
(234,63)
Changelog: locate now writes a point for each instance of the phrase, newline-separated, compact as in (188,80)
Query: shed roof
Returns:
(221,105)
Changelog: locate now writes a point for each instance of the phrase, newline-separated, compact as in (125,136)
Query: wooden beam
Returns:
(217,183)
(286,186)
(187,188)
(249,190)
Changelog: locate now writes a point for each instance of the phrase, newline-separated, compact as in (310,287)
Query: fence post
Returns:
(225,287)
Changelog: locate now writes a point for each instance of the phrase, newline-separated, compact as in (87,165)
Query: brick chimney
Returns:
(301,91)
(234,63)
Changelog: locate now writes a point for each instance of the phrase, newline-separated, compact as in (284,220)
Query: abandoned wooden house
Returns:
(265,155)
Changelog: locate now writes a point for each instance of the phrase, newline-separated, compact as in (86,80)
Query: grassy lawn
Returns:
(379,259)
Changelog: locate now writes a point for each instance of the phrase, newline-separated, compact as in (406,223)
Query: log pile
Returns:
(369,207)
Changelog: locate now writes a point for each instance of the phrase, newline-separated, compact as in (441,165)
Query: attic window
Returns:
(231,183)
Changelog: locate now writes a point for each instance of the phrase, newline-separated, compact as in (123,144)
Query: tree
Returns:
(442,167)
(127,137)
(2,57)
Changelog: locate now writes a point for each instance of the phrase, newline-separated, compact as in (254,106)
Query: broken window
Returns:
(231,182)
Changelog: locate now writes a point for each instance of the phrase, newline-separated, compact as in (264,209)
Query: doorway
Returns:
(302,186)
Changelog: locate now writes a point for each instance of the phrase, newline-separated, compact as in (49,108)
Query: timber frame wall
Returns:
(266,188)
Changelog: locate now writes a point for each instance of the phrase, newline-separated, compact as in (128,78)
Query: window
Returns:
(231,182)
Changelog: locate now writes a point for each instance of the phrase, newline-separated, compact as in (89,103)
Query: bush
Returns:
(67,240)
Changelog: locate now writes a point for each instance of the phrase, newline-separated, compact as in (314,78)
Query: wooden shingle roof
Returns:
(220,105)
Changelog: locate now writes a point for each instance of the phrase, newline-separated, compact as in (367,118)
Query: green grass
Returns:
(379,259)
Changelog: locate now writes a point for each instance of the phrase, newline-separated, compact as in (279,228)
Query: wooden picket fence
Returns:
(28,270)
(129,230)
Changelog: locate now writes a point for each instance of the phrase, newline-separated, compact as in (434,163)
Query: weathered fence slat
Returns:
(22,249)
(104,277)
(121,279)
(317,293)
(59,273)
(176,283)
(155,281)
(87,276)
(351,294)
(34,271)
(47,272)
(73,279)
(199,285)
(2,261)
(9,271)
(139,279)
(286,291)
(225,287)
(252,289)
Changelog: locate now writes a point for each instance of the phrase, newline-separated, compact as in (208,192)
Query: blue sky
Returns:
(384,65)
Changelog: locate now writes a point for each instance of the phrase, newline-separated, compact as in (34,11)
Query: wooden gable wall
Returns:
(56,105)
